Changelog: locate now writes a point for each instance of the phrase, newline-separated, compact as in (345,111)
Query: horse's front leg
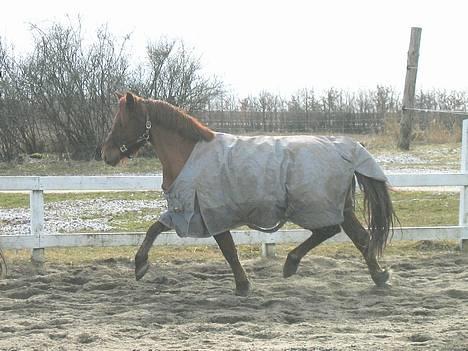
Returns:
(228,248)
(141,257)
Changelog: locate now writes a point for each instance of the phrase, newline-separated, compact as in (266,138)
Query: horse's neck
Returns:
(173,151)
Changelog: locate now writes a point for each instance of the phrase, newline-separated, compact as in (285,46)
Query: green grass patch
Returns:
(14,200)
(423,209)
(136,195)
(134,221)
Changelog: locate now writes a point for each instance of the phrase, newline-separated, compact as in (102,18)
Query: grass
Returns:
(133,221)
(51,165)
(164,254)
(14,200)
(426,209)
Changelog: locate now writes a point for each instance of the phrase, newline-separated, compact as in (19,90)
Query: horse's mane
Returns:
(175,119)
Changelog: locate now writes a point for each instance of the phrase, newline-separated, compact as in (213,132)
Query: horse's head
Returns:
(130,130)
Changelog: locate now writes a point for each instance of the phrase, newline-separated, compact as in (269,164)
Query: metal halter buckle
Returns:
(140,141)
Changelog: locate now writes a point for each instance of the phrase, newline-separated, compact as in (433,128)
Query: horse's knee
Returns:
(155,229)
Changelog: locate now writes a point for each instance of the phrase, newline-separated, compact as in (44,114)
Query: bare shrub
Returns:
(173,73)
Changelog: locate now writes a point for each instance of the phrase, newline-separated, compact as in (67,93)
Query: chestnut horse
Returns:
(174,134)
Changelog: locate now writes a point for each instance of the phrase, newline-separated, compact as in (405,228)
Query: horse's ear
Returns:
(130,99)
(118,95)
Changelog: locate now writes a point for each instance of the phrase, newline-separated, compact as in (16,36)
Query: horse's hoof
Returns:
(243,289)
(290,266)
(141,269)
(382,278)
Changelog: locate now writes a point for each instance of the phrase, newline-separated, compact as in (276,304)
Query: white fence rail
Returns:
(37,239)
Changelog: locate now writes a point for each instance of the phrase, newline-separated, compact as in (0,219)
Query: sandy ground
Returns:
(330,304)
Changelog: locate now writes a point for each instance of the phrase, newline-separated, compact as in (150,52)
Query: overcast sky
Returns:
(280,46)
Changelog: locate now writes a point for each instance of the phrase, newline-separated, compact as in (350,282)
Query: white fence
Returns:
(37,239)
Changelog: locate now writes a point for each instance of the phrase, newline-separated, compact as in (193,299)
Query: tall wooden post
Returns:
(406,123)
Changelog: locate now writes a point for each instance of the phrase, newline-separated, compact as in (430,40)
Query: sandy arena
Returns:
(331,304)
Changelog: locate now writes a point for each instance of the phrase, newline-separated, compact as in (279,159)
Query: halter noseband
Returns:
(140,141)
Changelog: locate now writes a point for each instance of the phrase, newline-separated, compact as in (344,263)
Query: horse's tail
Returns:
(378,211)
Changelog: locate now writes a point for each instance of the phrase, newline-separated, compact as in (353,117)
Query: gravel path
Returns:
(76,216)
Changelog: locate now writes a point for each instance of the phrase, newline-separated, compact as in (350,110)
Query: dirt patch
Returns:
(331,304)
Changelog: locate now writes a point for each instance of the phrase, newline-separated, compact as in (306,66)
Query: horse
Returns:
(271,190)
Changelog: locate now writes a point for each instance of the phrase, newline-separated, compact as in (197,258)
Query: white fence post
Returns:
(268,250)
(36,201)
(463,213)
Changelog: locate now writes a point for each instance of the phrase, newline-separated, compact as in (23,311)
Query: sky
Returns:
(279,46)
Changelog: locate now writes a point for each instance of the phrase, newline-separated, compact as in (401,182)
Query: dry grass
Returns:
(80,255)
(435,133)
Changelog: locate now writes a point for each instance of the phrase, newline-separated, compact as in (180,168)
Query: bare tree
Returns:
(173,73)
(19,129)
(71,85)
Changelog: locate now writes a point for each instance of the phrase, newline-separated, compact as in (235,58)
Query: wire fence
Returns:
(295,122)
(245,122)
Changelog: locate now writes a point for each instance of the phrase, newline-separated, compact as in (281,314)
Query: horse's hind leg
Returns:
(360,237)
(294,257)
(141,257)
(228,248)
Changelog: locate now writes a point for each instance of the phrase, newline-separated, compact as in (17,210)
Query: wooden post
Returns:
(463,213)
(36,200)
(406,123)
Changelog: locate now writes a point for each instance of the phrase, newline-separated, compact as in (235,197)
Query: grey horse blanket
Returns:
(263,181)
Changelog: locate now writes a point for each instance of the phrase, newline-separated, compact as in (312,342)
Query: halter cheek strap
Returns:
(140,141)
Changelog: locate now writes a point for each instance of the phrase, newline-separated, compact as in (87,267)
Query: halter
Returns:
(140,141)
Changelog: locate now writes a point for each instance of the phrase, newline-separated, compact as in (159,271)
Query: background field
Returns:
(87,298)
